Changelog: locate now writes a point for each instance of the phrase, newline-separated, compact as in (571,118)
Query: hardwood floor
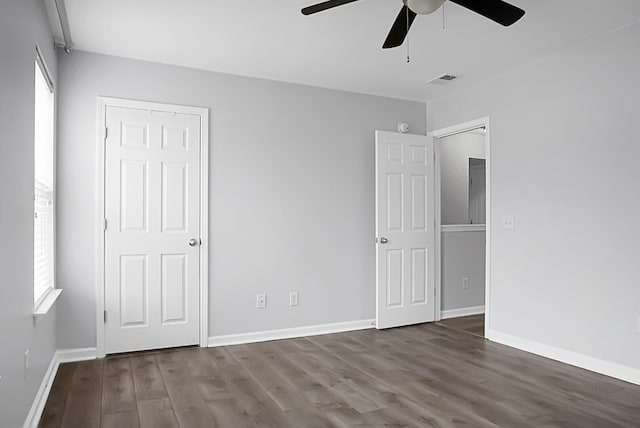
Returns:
(419,376)
(473,324)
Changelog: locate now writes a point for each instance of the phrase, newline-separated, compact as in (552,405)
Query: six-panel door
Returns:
(404,229)
(152,174)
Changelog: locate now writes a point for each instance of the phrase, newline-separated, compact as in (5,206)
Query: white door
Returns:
(152,237)
(405,235)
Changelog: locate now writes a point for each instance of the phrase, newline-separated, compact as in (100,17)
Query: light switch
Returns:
(508,222)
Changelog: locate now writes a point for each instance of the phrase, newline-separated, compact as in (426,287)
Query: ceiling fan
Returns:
(496,10)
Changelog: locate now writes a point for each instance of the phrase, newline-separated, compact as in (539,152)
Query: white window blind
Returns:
(43,245)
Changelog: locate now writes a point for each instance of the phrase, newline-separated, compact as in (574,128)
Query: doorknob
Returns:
(193,242)
(383,240)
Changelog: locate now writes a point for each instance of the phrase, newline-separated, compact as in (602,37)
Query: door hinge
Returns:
(106,132)
(105,317)
(105,224)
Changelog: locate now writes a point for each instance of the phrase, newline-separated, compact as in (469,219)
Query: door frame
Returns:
(445,132)
(203,113)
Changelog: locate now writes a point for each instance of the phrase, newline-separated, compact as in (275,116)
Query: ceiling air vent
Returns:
(442,79)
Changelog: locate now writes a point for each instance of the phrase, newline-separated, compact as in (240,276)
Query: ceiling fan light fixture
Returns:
(424,7)
(496,10)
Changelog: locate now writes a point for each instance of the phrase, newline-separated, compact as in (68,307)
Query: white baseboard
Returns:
(79,354)
(33,418)
(59,357)
(290,333)
(628,374)
(462,312)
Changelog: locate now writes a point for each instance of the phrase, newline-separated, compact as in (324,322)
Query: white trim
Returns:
(462,312)
(203,112)
(204,227)
(44,69)
(437,226)
(440,133)
(463,228)
(76,354)
(63,20)
(33,417)
(47,303)
(290,333)
(628,374)
(59,357)
(99,225)
(460,128)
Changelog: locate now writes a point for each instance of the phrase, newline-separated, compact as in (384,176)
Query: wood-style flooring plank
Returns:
(121,420)
(280,381)
(473,324)
(147,379)
(181,371)
(196,417)
(197,362)
(157,413)
(57,400)
(118,394)
(181,386)
(234,396)
(83,408)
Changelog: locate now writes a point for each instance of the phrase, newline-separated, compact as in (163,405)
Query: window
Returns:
(43,184)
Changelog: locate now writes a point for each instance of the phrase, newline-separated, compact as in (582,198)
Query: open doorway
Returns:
(462,204)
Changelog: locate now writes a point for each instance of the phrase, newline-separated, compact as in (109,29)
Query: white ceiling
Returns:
(338,48)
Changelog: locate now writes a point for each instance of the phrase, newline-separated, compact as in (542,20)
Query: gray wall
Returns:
(564,162)
(462,257)
(292,195)
(22,24)
(455,152)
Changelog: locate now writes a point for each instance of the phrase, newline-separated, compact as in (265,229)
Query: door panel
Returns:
(133,196)
(152,175)
(418,275)
(133,290)
(395,278)
(405,219)
(174,196)
(419,203)
(395,217)
(174,288)
(134,135)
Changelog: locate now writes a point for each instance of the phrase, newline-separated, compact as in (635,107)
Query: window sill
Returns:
(47,303)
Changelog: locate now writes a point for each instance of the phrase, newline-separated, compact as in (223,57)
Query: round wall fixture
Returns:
(403,127)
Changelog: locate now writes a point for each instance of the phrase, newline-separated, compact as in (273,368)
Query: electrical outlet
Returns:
(261,301)
(508,222)
(27,362)
(465,283)
(293,298)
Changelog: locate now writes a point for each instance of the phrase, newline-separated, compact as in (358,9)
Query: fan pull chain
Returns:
(407,36)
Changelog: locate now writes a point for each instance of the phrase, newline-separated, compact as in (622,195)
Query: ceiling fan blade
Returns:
(399,29)
(324,6)
(496,10)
